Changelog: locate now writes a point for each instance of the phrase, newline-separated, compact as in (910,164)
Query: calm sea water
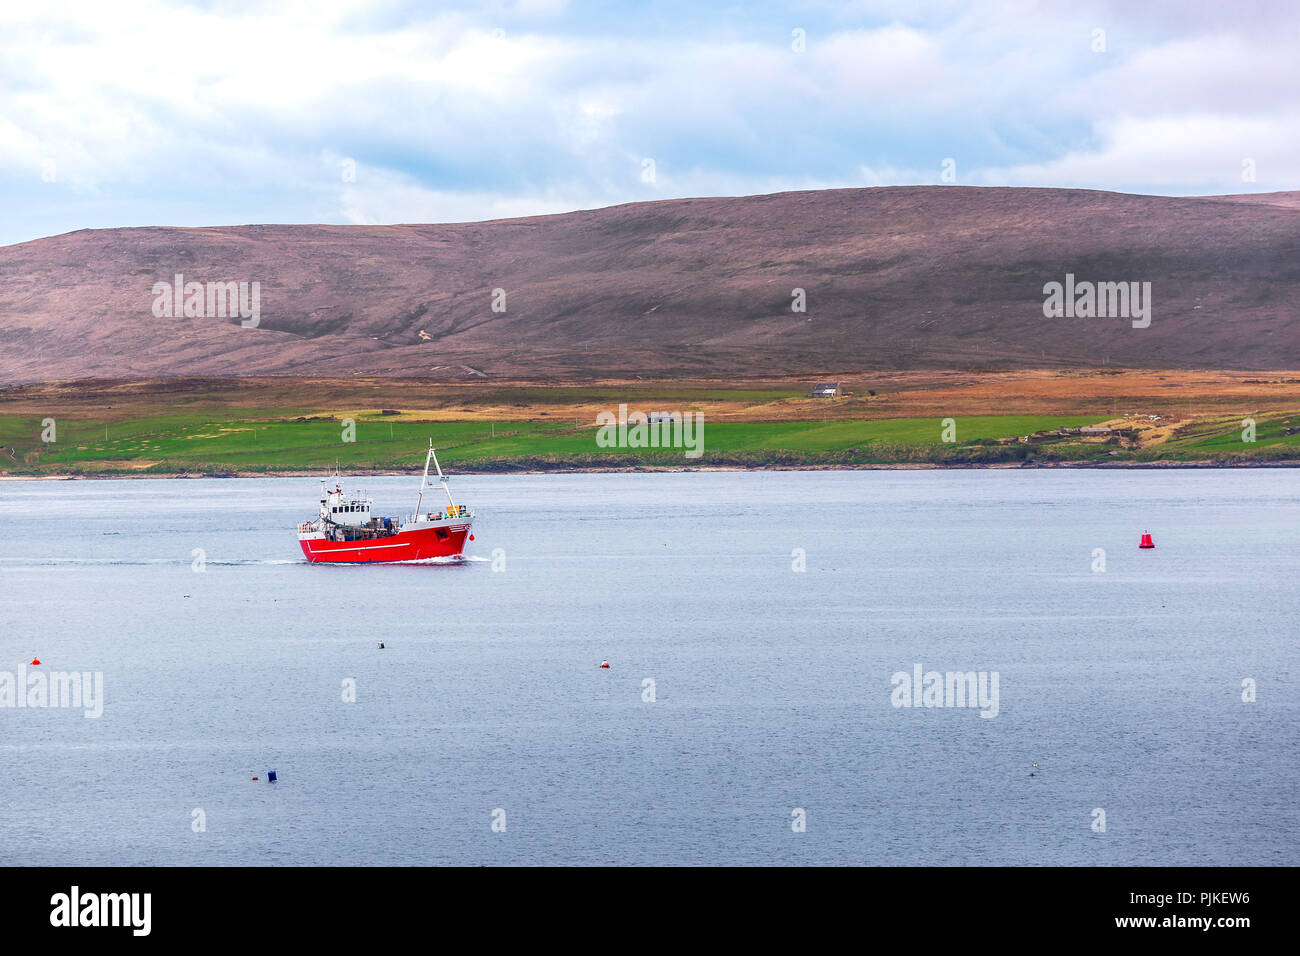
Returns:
(772,687)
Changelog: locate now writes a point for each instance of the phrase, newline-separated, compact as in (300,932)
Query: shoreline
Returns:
(676,469)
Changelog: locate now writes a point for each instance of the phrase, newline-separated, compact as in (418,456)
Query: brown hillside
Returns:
(901,278)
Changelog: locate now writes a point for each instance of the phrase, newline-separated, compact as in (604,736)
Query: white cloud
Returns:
(1221,73)
(889,69)
(1193,153)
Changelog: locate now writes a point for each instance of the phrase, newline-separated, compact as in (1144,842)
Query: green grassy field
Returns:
(211,441)
(1225,434)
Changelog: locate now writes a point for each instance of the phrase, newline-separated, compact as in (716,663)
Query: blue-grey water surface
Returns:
(772,687)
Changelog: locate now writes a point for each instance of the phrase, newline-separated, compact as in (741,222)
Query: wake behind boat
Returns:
(345,531)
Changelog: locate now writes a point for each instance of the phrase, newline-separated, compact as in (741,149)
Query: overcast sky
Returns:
(167,113)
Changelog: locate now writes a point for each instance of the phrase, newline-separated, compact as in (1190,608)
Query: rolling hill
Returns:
(894,278)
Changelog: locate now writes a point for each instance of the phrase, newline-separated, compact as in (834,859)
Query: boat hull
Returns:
(417,544)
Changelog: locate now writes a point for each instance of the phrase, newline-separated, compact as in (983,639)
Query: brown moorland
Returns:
(900,278)
(1179,393)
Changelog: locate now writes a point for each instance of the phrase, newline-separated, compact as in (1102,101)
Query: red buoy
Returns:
(1146,540)
(35,661)
(471,537)
(604,664)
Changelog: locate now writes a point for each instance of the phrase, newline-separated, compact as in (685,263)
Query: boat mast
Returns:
(425,479)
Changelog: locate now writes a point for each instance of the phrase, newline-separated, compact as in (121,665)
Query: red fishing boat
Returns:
(346,531)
